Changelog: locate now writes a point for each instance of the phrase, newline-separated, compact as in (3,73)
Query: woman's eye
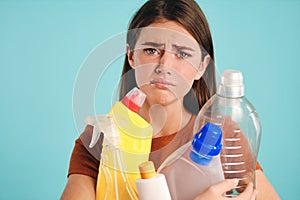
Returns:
(182,54)
(150,51)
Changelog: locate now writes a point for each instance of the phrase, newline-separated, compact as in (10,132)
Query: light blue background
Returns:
(44,43)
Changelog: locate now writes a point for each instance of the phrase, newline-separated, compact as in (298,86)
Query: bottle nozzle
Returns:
(104,124)
(134,99)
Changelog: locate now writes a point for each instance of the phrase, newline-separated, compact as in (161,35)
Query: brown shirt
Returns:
(85,160)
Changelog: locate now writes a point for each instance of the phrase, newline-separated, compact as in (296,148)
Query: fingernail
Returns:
(235,181)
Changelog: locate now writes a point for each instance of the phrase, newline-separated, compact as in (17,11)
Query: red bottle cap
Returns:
(134,99)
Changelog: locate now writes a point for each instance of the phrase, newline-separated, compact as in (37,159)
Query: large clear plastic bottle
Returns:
(194,167)
(241,127)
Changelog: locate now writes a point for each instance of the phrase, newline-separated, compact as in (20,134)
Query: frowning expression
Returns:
(167,60)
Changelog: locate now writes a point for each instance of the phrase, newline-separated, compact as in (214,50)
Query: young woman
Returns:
(170,58)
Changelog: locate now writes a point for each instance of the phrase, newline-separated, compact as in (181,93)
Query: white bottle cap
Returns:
(231,84)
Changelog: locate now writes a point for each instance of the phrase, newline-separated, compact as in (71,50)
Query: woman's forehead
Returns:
(167,37)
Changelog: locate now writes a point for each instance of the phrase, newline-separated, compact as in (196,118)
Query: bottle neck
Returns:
(200,159)
(230,91)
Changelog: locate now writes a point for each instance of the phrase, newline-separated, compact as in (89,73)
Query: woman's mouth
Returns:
(161,83)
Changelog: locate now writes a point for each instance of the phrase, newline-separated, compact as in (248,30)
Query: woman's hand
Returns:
(216,192)
(79,187)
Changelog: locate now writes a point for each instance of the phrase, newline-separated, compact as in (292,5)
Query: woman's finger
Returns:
(248,194)
(223,186)
(254,195)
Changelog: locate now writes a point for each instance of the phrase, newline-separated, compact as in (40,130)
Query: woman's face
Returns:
(166,60)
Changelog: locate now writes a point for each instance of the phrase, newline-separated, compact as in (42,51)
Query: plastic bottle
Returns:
(119,162)
(111,164)
(151,185)
(194,167)
(241,128)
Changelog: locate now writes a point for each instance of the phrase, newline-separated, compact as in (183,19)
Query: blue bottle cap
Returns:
(206,144)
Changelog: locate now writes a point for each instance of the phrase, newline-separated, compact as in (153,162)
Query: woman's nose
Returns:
(165,64)
(167,58)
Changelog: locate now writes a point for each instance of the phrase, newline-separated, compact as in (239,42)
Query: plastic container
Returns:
(241,128)
(194,167)
(151,185)
(119,162)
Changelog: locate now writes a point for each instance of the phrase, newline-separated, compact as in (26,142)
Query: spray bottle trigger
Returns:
(92,120)
(95,137)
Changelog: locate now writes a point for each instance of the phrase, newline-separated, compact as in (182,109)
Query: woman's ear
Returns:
(129,54)
(202,68)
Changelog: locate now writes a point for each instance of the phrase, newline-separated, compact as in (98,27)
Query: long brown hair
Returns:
(190,16)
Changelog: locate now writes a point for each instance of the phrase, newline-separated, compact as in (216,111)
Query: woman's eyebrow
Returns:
(153,44)
(182,47)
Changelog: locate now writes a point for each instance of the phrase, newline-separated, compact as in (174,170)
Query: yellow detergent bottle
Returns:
(119,163)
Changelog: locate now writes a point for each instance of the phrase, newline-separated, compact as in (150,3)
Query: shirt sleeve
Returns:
(85,160)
